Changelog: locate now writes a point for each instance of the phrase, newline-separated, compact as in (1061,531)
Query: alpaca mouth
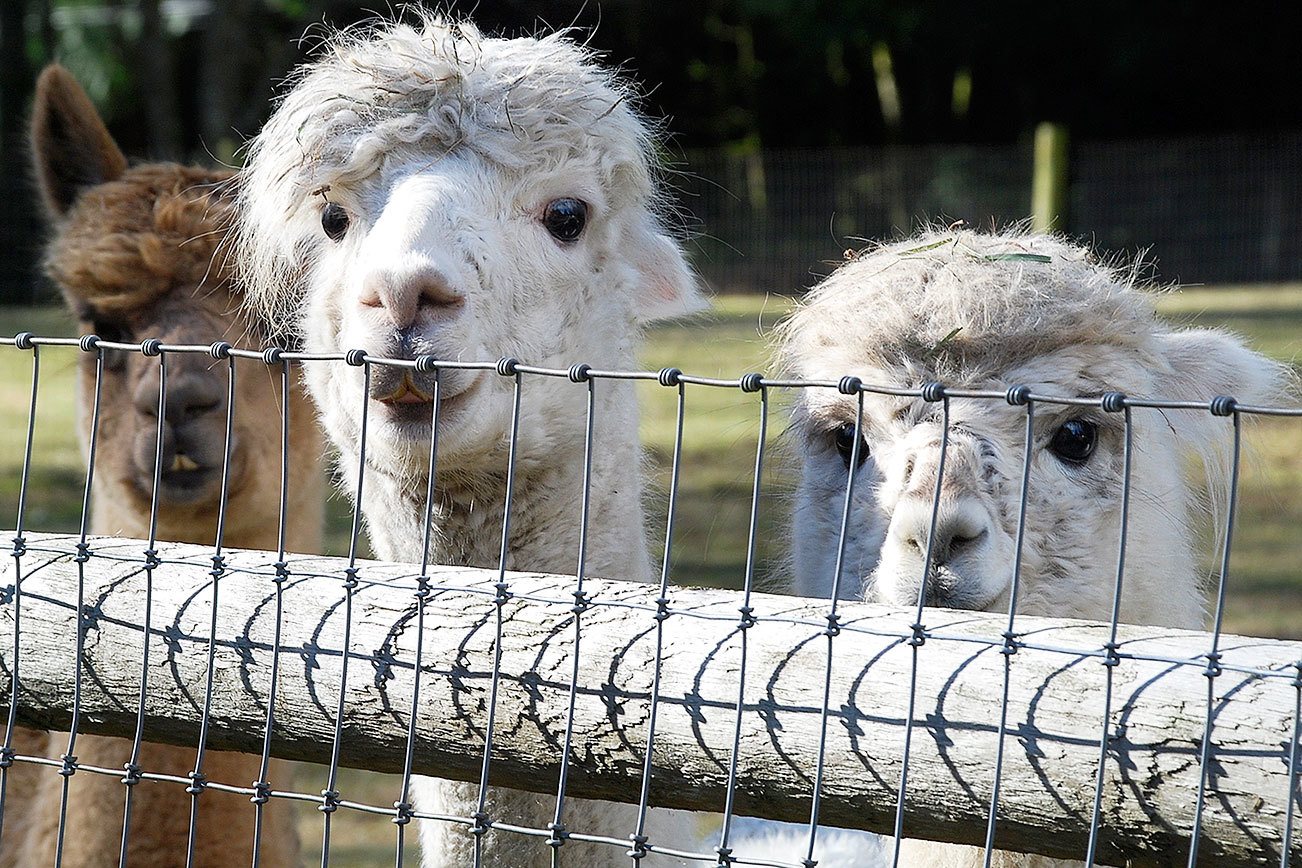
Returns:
(410,407)
(407,392)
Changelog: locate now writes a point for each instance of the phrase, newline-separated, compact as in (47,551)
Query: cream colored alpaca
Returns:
(429,190)
(982,311)
(133,251)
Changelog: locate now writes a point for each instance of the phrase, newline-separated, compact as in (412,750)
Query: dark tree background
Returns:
(192,78)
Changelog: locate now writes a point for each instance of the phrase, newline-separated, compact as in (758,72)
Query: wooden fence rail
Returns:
(1054,716)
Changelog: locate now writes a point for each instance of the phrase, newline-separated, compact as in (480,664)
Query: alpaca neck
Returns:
(546,504)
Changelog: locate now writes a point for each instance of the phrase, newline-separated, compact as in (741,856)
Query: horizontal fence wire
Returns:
(1213,830)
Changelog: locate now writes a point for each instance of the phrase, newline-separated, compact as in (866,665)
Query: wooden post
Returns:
(1051,744)
(1049,183)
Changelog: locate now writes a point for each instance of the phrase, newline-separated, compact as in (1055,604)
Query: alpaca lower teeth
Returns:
(184,462)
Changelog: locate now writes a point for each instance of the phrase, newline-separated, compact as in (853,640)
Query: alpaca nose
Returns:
(189,396)
(961,526)
(406,293)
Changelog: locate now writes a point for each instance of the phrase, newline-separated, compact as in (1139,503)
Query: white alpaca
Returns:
(433,191)
(988,311)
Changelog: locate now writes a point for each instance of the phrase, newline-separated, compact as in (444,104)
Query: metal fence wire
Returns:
(747,766)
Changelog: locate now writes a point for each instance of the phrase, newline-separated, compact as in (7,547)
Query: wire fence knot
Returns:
(88,343)
(1111,658)
(919,636)
(273,355)
(833,625)
(752,382)
(151,559)
(1018,396)
(403,813)
(503,594)
(582,602)
(133,776)
(7,755)
(356,358)
(329,801)
(20,546)
(558,835)
(198,783)
(849,385)
(481,824)
(932,392)
(151,347)
(747,618)
(426,364)
(638,850)
(261,792)
(662,609)
(670,376)
(580,373)
(23,341)
(1214,668)
(1222,405)
(1112,402)
(68,766)
(350,583)
(507,366)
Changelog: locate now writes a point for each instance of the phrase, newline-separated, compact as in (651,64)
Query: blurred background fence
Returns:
(1208,209)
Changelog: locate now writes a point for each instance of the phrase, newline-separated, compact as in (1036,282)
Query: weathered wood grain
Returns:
(1054,715)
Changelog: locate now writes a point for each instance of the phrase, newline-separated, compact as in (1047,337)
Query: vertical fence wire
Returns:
(919,636)
(19,549)
(1110,403)
(197,779)
(670,377)
(749,383)
(262,787)
(1291,797)
(1218,407)
(557,826)
(1009,647)
(133,769)
(330,795)
(403,807)
(833,625)
(505,367)
(68,760)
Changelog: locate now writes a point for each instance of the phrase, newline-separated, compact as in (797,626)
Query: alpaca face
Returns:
(1073,499)
(133,251)
(986,312)
(497,200)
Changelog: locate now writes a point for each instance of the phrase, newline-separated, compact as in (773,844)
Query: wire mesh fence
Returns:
(1221,208)
(1098,742)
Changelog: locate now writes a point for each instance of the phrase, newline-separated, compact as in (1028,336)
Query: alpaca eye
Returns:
(565,219)
(1074,441)
(334,220)
(844,436)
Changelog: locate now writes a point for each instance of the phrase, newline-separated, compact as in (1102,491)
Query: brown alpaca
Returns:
(134,252)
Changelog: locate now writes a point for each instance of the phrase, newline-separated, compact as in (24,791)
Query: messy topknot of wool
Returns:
(129,242)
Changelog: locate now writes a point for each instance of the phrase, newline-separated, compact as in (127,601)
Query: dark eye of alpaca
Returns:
(565,219)
(334,221)
(1074,441)
(844,436)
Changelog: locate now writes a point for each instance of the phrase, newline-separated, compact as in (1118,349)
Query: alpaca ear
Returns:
(71,148)
(667,287)
(1208,363)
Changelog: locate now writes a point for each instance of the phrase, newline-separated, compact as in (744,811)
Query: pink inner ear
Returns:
(663,289)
